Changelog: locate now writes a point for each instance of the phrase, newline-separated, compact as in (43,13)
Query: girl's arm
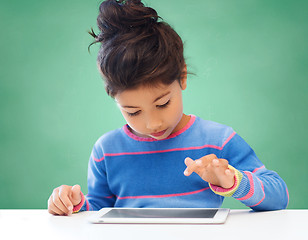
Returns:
(256,187)
(238,173)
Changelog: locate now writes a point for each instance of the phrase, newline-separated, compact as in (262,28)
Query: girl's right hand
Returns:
(63,199)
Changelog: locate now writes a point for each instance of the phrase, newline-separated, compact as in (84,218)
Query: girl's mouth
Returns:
(158,134)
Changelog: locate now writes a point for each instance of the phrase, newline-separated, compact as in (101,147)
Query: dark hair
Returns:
(136,49)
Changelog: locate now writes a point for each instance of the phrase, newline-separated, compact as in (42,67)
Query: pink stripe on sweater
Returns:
(258,202)
(109,196)
(262,186)
(98,160)
(228,139)
(251,190)
(165,195)
(88,207)
(288,196)
(161,151)
(167,150)
(257,169)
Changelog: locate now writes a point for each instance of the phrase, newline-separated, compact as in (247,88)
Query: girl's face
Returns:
(154,112)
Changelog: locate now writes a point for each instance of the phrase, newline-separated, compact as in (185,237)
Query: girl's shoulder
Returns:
(112,135)
(211,126)
(112,140)
(214,132)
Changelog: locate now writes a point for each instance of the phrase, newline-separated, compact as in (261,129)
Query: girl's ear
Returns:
(184,78)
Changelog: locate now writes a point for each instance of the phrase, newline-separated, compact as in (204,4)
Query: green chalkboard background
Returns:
(250,63)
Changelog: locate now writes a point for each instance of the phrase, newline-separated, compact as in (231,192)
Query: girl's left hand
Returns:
(212,170)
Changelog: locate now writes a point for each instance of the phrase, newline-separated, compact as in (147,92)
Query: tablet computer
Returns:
(161,215)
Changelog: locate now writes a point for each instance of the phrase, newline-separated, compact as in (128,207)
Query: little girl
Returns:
(161,157)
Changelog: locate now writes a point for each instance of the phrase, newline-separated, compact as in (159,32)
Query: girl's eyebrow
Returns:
(126,106)
(161,96)
(156,99)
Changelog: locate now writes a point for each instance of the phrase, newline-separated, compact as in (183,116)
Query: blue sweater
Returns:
(128,171)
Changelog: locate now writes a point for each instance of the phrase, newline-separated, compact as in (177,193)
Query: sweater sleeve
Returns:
(99,194)
(255,186)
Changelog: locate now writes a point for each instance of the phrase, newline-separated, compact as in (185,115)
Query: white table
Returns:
(241,224)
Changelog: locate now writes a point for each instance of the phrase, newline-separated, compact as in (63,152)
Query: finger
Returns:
(218,166)
(64,193)
(198,166)
(195,166)
(52,212)
(229,172)
(75,196)
(58,203)
(225,176)
(224,163)
(215,163)
(53,209)
(228,179)
(50,207)
(188,161)
(187,173)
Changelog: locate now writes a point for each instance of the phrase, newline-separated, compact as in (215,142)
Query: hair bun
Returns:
(123,16)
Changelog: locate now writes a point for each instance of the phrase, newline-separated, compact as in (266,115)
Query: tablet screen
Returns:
(159,213)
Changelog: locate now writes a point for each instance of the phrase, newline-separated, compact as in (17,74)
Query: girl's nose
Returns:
(154,123)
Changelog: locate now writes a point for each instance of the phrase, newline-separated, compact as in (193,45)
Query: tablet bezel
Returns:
(220,217)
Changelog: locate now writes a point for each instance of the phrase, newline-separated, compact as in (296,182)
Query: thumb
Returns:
(75,195)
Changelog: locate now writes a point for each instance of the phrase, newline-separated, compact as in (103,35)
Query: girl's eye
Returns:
(133,114)
(164,105)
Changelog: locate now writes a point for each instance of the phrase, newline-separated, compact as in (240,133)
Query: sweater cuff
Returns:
(79,206)
(228,192)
